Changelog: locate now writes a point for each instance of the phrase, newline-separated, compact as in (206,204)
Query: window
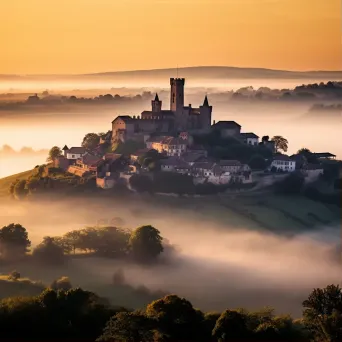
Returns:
(72,156)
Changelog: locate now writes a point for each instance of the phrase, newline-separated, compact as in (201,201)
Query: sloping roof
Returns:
(65,148)
(166,140)
(125,118)
(227,124)
(112,156)
(89,160)
(206,102)
(155,139)
(249,135)
(143,151)
(229,163)
(173,161)
(156,98)
(203,165)
(77,150)
(191,157)
(324,155)
(282,157)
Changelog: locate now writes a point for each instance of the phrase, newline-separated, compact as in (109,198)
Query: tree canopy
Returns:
(91,141)
(146,243)
(14,241)
(280,143)
(54,153)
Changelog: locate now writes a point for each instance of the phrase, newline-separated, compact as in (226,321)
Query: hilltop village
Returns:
(185,140)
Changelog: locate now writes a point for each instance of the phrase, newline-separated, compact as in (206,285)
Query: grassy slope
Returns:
(20,287)
(5,182)
(253,210)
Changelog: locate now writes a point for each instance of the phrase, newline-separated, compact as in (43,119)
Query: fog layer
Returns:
(217,265)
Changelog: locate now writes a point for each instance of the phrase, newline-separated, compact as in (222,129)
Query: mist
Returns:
(218,263)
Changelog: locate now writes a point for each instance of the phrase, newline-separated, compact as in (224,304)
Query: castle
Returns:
(177,119)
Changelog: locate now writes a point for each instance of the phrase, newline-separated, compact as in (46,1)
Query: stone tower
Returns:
(177,94)
(205,115)
(156,104)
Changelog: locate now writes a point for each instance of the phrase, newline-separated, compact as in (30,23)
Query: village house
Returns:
(169,146)
(250,138)
(283,163)
(172,163)
(73,153)
(140,153)
(192,157)
(232,166)
(227,128)
(89,162)
(325,156)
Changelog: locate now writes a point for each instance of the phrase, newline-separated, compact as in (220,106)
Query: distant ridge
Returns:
(199,72)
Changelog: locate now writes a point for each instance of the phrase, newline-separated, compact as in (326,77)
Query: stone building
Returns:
(158,121)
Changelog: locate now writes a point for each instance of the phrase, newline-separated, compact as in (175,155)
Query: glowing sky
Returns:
(81,36)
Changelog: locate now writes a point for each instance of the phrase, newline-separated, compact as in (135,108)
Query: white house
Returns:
(283,163)
(74,153)
(250,138)
(232,166)
(169,145)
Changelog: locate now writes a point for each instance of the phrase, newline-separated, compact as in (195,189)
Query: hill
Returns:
(5,182)
(196,73)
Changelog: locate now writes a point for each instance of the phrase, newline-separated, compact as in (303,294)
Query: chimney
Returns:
(214,122)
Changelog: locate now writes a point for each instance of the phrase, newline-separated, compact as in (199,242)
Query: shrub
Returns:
(62,283)
(14,275)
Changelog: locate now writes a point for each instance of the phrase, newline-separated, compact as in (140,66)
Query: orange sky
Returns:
(81,36)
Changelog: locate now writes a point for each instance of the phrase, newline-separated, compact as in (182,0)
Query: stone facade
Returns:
(164,122)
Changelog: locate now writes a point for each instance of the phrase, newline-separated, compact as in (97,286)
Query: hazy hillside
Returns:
(201,72)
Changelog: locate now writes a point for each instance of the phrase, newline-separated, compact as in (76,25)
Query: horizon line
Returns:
(171,68)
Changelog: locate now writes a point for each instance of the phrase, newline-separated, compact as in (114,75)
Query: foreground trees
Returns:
(323,314)
(14,241)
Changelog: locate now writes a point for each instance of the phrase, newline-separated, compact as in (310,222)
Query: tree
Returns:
(146,243)
(128,327)
(49,252)
(14,240)
(32,184)
(14,275)
(19,189)
(176,317)
(280,143)
(73,239)
(257,162)
(323,313)
(91,141)
(265,138)
(232,325)
(54,153)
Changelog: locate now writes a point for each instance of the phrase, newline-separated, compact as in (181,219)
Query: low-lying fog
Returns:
(217,265)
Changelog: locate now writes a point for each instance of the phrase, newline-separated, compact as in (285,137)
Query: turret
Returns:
(156,104)
(205,114)
(177,94)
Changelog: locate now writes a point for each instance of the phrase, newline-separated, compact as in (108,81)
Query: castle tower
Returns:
(205,115)
(177,94)
(156,104)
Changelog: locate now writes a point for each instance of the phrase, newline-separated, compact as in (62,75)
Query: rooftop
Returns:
(324,155)
(282,157)
(226,124)
(77,150)
(249,135)
(125,118)
(229,163)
